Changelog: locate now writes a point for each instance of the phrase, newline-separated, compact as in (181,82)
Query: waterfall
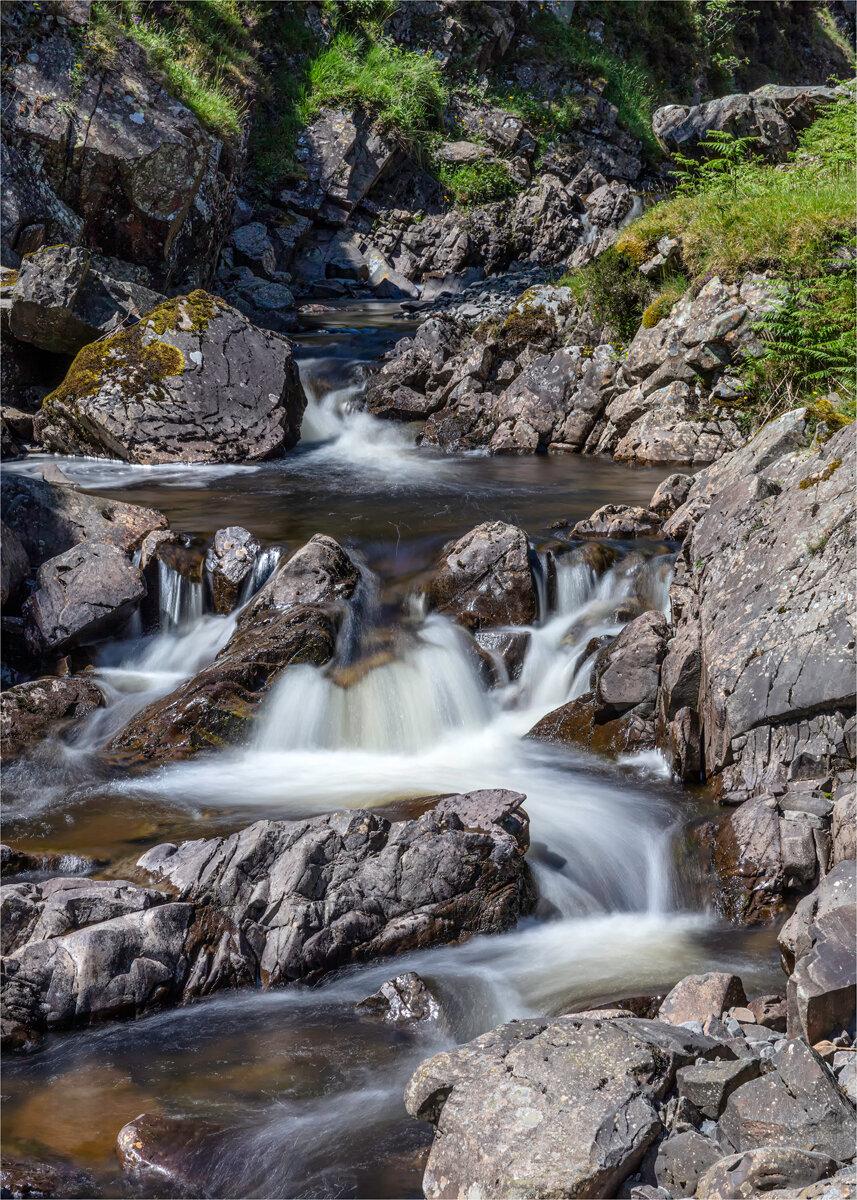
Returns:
(180,599)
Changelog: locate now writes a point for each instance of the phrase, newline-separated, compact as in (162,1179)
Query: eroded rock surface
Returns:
(485,578)
(277,902)
(28,711)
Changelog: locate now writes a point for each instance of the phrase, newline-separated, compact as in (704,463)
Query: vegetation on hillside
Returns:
(733,214)
(204,51)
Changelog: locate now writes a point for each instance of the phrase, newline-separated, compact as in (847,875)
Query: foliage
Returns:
(809,342)
(477,183)
(617,293)
(401,89)
(546,118)
(202,49)
(717,23)
(670,290)
(734,214)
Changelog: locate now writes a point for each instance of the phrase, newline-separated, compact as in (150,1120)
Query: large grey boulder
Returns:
(194,381)
(294,618)
(772,116)
(30,710)
(697,997)
(818,942)
(63,299)
(31,212)
(277,902)
(762,601)
(485,578)
(549,1108)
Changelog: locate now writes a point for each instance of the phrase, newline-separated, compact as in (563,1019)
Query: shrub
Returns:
(618,294)
(477,183)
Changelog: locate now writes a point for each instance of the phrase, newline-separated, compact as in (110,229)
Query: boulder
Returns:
(49,519)
(30,207)
(623,521)
(155,1150)
(796,1103)
(403,999)
(707,1086)
(551,1107)
(772,116)
(486,578)
(229,564)
(80,596)
(762,1170)
(845,827)
(698,996)
(194,381)
(29,711)
(253,248)
(276,902)
(293,619)
(63,299)
(818,942)
(344,156)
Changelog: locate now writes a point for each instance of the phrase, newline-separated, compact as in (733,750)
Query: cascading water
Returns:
(311,1091)
(180,598)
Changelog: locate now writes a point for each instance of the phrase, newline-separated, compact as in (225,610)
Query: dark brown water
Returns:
(306,1094)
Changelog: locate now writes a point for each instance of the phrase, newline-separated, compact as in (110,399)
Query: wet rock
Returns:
(683,1158)
(485,578)
(29,711)
(509,646)
(15,862)
(81,595)
(229,563)
(818,939)
(772,116)
(762,599)
(29,1180)
(761,1170)
(401,404)
(293,619)
(523,1109)
(622,521)
(175,1150)
(764,854)
(49,519)
(403,999)
(63,299)
(697,996)
(206,386)
(796,1103)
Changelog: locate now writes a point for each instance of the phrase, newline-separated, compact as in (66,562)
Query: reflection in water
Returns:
(308,1093)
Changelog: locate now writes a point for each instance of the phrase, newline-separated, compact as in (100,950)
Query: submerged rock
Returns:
(30,710)
(30,1180)
(194,381)
(278,902)
(157,1149)
(294,618)
(486,578)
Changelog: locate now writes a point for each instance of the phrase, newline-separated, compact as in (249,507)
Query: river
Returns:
(306,1093)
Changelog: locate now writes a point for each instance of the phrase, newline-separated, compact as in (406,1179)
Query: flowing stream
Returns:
(306,1093)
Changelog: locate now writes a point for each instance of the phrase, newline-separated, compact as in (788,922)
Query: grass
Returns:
(204,51)
(477,183)
(401,89)
(547,119)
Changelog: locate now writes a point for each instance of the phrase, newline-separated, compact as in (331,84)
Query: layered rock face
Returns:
(277,902)
(762,604)
(194,381)
(145,184)
(293,619)
(531,383)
